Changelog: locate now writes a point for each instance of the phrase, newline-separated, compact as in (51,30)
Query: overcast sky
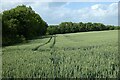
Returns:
(57,12)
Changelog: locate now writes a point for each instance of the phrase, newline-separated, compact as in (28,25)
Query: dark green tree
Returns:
(21,22)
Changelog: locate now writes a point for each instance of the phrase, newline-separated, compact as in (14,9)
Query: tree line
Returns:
(22,23)
(70,27)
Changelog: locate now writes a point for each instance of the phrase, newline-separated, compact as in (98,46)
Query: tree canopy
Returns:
(21,23)
(70,27)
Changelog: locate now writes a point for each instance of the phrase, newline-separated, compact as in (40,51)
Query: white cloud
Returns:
(95,6)
(107,14)
(104,13)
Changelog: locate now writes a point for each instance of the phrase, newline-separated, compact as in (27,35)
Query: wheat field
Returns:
(74,55)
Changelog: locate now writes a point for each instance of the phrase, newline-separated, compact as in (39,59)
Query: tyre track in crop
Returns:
(36,48)
(52,46)
(54,57)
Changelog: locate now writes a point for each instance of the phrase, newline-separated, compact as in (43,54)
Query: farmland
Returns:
(74,55)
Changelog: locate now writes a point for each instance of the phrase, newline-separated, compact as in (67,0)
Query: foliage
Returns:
(21,22)
(69,27)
